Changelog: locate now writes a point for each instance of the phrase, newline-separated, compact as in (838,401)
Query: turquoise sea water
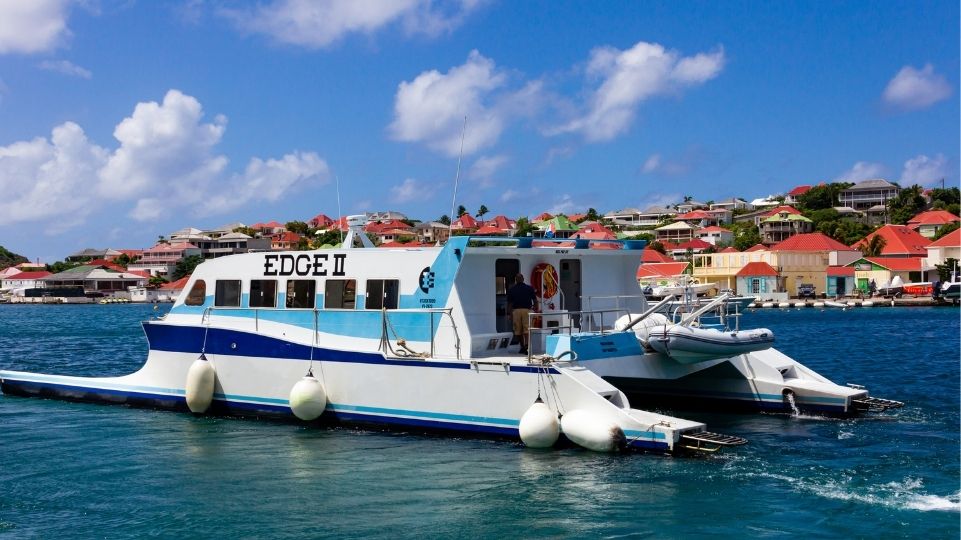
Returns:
(83,470)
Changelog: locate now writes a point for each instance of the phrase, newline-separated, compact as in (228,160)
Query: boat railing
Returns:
(391,341)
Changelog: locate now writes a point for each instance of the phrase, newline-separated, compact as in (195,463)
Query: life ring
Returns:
(545,280)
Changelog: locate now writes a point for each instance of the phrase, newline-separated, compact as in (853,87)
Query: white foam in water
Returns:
(900,495)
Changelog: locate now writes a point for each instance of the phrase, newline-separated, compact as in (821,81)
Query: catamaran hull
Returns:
(255,374)
(764,380)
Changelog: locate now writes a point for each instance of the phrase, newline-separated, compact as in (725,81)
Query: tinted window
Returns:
(382,293)
(340,293)
(227,293)
(198,294)
(300,293)
(263,293)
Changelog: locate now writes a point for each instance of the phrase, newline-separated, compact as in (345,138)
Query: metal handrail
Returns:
(209,311)
(569,327)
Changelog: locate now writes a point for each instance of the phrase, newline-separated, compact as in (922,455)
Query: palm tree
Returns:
(481,211)
(874,246)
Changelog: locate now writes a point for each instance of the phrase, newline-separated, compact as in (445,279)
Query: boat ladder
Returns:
(875,404)
(707,441)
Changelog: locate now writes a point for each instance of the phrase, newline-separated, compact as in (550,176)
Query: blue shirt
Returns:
(521,296)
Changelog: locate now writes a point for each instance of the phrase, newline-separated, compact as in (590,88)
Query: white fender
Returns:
(539,427)
(200,385)
(592,431)
(308,398)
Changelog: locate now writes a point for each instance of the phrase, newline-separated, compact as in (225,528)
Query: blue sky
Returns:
(121,121)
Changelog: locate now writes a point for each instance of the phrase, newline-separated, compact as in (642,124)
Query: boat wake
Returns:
(906,494)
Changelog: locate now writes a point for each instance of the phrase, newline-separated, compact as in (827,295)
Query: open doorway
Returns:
(504,272)
(570,278)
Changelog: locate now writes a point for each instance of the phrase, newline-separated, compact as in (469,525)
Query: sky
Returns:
(124,120)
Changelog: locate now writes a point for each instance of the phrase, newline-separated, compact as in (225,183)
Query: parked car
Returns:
(806,290)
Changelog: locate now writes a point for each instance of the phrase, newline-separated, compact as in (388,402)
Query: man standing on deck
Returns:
(520,301)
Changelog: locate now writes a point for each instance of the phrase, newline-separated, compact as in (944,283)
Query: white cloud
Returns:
(164,148)
(49,179)
(318,25)
(484,169)
(66,68)
(563,205)
(410,190)
(656,164)
(924,170)
(628,78)
(509,195)
(267,180)
(862,170)
(31,26)
(166,161)
(913,89)
(558,152)
(431,108)
(659,200)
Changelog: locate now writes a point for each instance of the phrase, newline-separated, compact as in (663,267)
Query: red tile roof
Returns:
(576,217)
(595,235)
(756,247)
(712,228)
(798,191)
(395,244)
(757,268)
(30,275)
(652,256)
(783,208)
(543,217)
(840,271)
(810,242)
(176,285)
(321,220)
(666,269)
(286,236)
(379,227)
(696,243)
(490,229)
(933,217)
(898,264)
(952,239)
(898,240)
(694,214)
(466,221)
(730,249)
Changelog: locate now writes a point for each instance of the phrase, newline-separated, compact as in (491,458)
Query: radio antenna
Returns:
(450,226)
(339,215)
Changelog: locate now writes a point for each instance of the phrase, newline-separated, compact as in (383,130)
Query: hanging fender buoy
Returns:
(592,431)
(308,398)
(539,427)
(200,385)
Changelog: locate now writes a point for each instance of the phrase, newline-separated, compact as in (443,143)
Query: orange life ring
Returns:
(545,281)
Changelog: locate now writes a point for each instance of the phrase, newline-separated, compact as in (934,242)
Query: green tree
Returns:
(874,246)
(445,219)
(461,210)
(298,227)
(186,266)
(822,197)
(908,203)
(156,281)
(746,234)
(945,268)
(592,215)
(246,230)
(658,247)
(162,239)
(331,237)
(524,227)
(481,211)
(303,244)
(945,229)
(124,260)
(61,266)
(946,196)
(8,258)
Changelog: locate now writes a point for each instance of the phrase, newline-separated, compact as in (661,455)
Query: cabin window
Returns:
(263,293)
(198,294)
(340,293)
(227,293)
(300,293)
(382,293)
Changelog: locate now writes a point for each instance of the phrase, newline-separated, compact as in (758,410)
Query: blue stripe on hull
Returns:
(694,400)
(219,341)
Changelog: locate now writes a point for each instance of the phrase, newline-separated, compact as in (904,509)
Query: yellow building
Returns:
(801,259)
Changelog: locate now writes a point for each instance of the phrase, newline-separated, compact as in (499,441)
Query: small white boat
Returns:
(832,303)
(689,345)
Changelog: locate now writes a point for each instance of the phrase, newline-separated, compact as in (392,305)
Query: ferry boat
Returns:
(415,338)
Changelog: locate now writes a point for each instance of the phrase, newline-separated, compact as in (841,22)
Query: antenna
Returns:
(450,226)
(337,180)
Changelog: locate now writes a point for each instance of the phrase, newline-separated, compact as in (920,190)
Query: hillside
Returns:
(8,258)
